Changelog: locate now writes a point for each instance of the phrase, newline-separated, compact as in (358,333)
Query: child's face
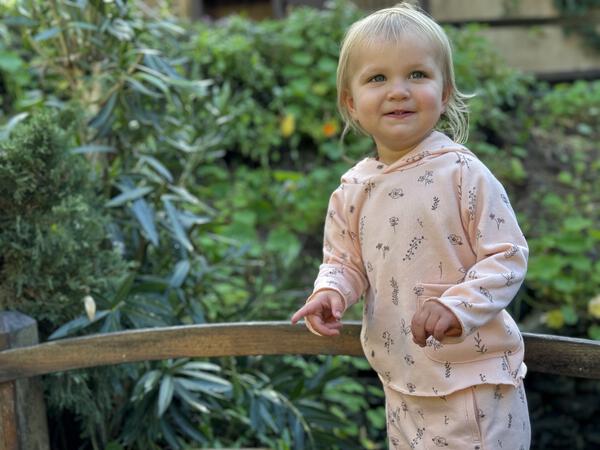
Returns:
(396,93)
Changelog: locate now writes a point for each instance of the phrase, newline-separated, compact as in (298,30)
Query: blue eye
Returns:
(377,78)
(416,75)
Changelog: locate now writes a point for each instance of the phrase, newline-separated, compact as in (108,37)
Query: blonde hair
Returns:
(390,24)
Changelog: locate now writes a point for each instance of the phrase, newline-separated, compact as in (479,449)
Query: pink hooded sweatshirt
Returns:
(435,225)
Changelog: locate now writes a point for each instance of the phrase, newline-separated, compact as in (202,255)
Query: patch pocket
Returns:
(498,338)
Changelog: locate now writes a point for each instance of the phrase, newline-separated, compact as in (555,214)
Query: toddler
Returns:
(428,235)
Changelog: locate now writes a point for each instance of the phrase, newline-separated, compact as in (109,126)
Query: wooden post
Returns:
(23,423)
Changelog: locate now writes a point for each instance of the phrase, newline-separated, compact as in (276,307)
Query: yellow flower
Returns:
(594,307)
(554,319)
(287,125)
(330,128)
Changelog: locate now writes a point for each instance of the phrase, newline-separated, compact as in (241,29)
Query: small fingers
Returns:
(308,309)
(418,328)
(322,327)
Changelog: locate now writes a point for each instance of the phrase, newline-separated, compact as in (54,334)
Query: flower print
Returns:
(415,442)
(510,278)
(361,232)
(511,252)
(411,387)
(436,203)
(420,222)
(331,213)
(394,221)
(498,393)
(463,160)
(480,347)
(395,291)
(478,234)
(396,193)
(380,166)
(505,200)
(486,293)
(498,220)
(466,304)
(414,245)
(455,239)
(440,267)
(482,377)
(353,235)
(439,441)
(447,369)
(472,275)
(472,203)
(418,290)
(369,267)
(406,330)
(409,359)
(369,185)
(388,376)
(352,209)
(387,336)
(427,178)
(510,418)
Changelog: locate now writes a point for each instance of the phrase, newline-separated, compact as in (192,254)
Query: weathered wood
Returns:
(550,354)
(23,423)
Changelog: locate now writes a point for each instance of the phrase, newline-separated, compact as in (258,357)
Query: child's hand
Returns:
(323,312)
(434,319)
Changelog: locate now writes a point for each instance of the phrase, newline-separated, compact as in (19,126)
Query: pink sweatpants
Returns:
(482,417)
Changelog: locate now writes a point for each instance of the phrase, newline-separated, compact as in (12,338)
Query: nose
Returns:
(398,90)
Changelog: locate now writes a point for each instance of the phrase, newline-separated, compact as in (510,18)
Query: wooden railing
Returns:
(21,402)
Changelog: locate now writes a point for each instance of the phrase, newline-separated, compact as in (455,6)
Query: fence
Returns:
(23,423)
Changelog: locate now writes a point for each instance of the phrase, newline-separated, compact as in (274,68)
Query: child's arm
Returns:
(341,276)
(499,246)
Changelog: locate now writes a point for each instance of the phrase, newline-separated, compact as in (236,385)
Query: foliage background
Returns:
(201,157)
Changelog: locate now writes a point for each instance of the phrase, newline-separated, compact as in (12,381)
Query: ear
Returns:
(446,97)
(348,102)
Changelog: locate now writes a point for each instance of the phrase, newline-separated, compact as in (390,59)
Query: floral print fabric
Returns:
(435,225)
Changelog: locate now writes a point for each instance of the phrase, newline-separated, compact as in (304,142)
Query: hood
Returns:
(434,145)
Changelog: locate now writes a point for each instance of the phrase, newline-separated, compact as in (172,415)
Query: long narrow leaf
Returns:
(180,273)
(127,196)
(165,394)
(177,228)
(145,216)
(93,149)
(158,166)
(101,119)
(77,324)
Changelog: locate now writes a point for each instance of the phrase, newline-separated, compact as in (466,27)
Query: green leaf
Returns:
(165,394)
(101,120)
(145,217)
(86,149)
(594,332)
(180,273)
(46,34)
(139,87)
(75,325)
(124,289)
(127,196)
(10,62)
(157,165)
(569,314)
(176,226)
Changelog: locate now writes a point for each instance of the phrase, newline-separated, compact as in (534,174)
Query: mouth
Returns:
(399,113)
